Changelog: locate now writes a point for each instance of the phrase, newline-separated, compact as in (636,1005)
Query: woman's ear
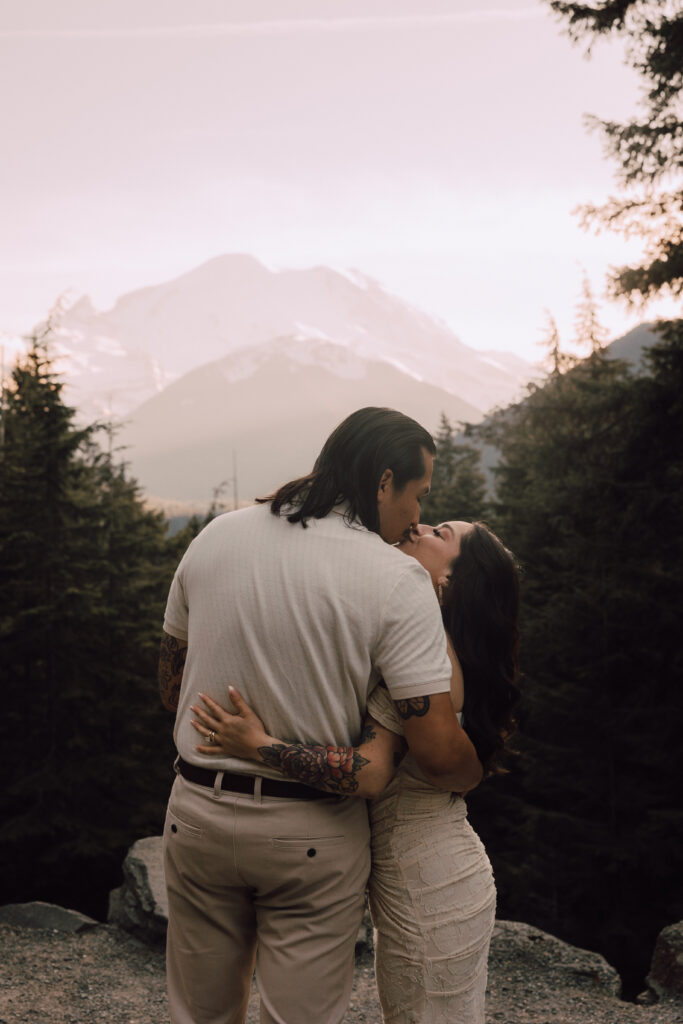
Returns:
(441,585)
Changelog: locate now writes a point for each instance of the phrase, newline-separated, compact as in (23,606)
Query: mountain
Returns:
(114,360)
(630,347)
(273,406)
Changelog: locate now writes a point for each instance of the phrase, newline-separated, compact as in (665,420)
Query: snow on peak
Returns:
(305,351)
(356,277)
(233,306)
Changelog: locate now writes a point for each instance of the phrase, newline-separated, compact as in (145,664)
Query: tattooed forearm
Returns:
(332,769)
(414,707)
(172,654)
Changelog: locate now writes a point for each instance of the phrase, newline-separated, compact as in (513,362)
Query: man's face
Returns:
(399,511)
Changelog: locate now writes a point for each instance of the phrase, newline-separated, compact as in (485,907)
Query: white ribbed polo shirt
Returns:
(303,622)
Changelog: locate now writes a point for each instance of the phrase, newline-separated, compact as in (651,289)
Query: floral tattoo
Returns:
(323,767)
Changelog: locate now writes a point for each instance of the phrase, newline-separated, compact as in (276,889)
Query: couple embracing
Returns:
(352,666)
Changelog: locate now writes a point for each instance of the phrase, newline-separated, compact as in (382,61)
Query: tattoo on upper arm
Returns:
(172,655)
(332,769)
(414,707)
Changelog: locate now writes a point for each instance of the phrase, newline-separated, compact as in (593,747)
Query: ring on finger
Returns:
(212,736)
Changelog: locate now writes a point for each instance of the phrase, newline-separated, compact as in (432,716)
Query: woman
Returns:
(432,895)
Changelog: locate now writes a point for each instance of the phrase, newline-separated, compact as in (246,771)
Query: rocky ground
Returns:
(102,975)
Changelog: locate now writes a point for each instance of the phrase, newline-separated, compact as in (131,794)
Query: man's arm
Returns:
(412,649)
(172,654)
(442,749)
(362,771)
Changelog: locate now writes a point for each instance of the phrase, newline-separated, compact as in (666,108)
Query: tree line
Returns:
(84,571)
(585,832)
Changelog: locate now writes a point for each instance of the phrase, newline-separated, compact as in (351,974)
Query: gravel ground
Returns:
(103,976)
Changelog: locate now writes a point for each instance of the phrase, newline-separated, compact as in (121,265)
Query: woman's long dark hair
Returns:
(351,464)
(480,609)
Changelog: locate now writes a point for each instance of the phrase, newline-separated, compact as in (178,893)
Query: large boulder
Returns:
(47,916)
(528,952)
(140,905)
(666,970)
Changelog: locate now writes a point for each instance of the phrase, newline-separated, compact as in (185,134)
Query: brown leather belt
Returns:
(235,783)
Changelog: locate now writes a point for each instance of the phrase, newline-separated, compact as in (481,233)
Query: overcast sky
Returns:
(437,145)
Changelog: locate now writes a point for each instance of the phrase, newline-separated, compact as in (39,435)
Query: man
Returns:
(300,604)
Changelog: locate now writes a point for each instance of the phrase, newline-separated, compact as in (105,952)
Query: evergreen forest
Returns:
(86,747)
(585,829)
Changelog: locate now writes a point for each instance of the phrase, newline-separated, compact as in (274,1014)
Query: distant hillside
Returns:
(630,347)
(275,419)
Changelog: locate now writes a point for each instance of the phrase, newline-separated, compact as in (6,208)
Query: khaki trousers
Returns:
(265,883)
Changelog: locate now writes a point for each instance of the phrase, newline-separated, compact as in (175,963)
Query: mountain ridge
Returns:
(117,358)
(181,441)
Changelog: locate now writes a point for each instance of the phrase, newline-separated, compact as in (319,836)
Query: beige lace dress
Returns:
(432,897)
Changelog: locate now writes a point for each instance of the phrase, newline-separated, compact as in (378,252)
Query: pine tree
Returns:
(556,360)
(590,334)
(646,148)
(85,569)
(458,489)
(586,837)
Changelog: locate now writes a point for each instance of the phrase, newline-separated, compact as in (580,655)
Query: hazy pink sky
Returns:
(437,145)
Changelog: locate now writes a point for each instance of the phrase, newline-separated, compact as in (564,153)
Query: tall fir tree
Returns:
(590,333)
(85,567)
(586,836)
(458,489)
(556,360)
(647,148)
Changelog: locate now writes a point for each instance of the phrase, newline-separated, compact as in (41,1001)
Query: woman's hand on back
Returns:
(234,735)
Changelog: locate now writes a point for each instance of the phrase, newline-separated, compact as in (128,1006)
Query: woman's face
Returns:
(435,547)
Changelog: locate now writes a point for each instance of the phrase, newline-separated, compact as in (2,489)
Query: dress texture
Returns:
(432,897)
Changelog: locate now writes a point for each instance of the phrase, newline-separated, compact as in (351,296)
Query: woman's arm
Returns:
(359,771)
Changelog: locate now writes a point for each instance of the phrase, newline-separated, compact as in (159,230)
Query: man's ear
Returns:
(385,484)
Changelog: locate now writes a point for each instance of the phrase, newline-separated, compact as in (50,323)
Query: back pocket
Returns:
(174,824)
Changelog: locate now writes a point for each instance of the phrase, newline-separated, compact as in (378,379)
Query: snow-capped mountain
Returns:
(270,408)
(234,305)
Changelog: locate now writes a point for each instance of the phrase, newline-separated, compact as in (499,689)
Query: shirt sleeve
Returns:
(383,710)
(176,615)
(410,653)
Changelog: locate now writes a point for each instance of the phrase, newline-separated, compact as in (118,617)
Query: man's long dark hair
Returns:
(350,467)
(480,609)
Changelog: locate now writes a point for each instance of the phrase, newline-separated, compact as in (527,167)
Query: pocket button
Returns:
(311,852)
(174,828)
